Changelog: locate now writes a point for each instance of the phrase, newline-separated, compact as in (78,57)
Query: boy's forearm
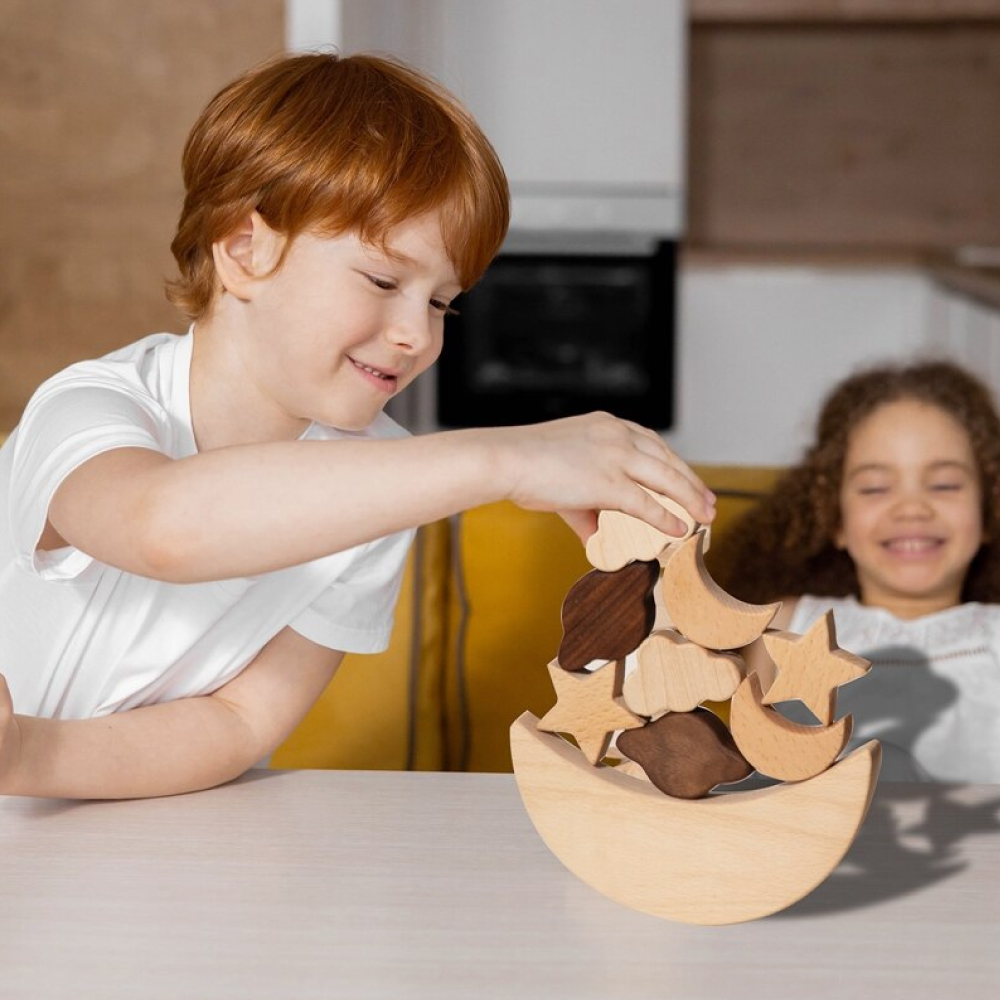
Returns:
(290,504)
(164,749)
(251,509)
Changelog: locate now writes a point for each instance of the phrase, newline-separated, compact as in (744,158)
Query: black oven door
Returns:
(553,335)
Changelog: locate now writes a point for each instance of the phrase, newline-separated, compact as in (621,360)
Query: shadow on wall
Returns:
(915,829)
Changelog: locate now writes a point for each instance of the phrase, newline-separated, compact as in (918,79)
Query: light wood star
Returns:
(811,667)
(589,707)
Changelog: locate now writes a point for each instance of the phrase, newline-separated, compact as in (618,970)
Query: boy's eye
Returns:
(443,308)
(383,283)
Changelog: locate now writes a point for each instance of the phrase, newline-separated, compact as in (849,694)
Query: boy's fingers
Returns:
(583,522)
(650,443)
(670,482)
(659,517)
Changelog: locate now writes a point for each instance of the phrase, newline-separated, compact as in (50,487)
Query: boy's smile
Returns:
(911,507)
(330,336)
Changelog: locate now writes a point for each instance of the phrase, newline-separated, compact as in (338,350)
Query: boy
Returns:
(201,526)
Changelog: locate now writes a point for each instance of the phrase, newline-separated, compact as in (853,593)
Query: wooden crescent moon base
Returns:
(718,860)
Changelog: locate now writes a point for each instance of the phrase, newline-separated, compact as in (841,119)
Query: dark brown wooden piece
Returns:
(607,614)
(685,754)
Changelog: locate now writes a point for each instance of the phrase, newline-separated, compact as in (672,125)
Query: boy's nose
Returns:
(410,332)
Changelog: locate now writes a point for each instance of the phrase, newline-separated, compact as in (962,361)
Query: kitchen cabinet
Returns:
(584,100)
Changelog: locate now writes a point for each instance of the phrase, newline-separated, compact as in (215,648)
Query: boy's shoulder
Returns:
(137,366)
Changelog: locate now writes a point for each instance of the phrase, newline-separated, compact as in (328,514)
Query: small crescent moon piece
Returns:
(719,860)
(778,747)
(701,610)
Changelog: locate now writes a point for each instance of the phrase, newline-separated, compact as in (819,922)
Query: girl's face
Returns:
(911,508)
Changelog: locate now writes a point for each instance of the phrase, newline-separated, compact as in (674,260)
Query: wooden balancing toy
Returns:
(645,824)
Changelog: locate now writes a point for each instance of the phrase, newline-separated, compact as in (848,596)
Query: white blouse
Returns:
(933,694)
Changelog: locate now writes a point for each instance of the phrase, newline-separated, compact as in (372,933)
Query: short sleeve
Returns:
(66,423)
(355,613)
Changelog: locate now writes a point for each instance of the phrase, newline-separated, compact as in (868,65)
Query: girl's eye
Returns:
(867,491)
(945,487)
(443,308)
(383,283)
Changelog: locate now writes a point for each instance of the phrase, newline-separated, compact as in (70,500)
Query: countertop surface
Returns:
(381,884)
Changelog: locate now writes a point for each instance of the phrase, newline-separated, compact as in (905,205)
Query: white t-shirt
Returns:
(79,638)
(932,695)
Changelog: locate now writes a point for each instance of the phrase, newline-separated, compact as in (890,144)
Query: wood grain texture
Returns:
(812,11)
(589,707)
(701,610)
(811,667)
(96,100)
(864,136)
(686,754)
(778,747)
(724,859)
(606,615)
(621,538)
(674,675)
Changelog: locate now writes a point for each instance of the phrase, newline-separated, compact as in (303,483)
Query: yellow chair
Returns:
(383,710)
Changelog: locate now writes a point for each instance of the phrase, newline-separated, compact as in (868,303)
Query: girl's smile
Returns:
(911,507)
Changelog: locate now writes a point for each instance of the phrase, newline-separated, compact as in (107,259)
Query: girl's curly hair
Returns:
(784,546)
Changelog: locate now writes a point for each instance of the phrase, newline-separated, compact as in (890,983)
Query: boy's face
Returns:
(340,328)
(911,506)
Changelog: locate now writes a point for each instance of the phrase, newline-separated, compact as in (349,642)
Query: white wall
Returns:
(759,348)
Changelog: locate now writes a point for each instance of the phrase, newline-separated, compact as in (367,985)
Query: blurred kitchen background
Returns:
(720,206)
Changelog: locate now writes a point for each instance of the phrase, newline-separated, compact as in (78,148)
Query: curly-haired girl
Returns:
(892,520)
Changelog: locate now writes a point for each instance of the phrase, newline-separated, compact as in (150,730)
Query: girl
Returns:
(890,521)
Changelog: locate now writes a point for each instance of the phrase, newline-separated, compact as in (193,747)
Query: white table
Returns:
(292,885)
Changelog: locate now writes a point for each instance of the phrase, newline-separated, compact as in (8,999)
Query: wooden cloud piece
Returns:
(675,675)
(719,860)
(589,708)
(685,754)
(778,747)
(701,610)
(606,615)
(811,667)
(621,538)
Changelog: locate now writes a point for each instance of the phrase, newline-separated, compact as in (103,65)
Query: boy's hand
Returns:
(580,466)
(10,735)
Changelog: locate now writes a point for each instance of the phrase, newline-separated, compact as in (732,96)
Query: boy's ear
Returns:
(248,254)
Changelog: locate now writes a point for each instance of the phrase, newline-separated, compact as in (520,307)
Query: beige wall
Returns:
(96,97)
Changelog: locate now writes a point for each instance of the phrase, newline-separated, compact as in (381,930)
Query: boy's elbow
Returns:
(163,543)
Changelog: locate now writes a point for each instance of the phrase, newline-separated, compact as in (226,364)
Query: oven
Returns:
(557,332)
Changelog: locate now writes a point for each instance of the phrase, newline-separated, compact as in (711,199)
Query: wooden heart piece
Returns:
(685,754)
(606,615)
